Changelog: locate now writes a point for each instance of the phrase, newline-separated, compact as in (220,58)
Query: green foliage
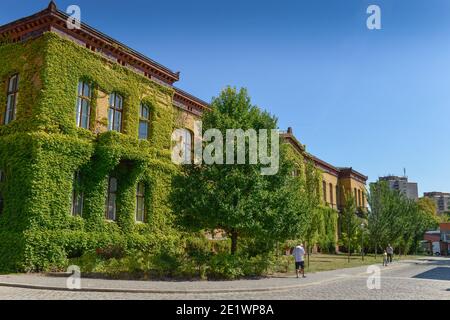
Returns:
(43,148)
(349,222)
(396,220)
(237,198)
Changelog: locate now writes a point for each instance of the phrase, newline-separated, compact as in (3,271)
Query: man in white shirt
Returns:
(299,254)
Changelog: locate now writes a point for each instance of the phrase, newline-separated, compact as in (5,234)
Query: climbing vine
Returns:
(41,151)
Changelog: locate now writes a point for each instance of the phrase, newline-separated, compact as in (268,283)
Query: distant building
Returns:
(335,180)
(441,199)
(409,189)
(438,242)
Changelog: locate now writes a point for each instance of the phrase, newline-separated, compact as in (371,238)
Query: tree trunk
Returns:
(234,238)
(308,252)
(376,250)
(348,251)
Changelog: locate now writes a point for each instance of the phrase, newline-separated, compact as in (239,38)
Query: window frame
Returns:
(77,195)
(108,198)
(331,195)
(188,140)
(14,93)
(79,106)
(140,196)
(115,110)
(143,119)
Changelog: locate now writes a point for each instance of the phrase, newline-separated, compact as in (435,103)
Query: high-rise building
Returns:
(442,200)
(409,189)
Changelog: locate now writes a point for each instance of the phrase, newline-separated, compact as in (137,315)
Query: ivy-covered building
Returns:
(85,133)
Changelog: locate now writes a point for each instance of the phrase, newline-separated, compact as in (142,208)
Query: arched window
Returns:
(11,102)
(111,199)
(324,186)
(83,109)
(140,202)
(77,195)
(115,112)
(144,121)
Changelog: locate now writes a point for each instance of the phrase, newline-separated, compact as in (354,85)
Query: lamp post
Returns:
(362,240)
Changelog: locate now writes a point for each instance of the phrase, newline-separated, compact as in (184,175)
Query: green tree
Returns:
(312,217)
(349,222)
(395,219)
(237,198)
(427,205)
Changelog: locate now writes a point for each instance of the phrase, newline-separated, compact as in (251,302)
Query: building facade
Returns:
(401,184)
(442,200)
(85,139)
(336,181)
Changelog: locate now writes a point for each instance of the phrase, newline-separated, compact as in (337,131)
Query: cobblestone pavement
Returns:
(424,280)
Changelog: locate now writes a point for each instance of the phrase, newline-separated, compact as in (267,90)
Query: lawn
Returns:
(326,262)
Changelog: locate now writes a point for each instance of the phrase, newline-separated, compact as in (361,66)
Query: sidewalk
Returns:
(273,283)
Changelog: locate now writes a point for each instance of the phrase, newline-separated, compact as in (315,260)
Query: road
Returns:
(423,280)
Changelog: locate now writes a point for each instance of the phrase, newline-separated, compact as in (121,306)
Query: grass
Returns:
(326,262)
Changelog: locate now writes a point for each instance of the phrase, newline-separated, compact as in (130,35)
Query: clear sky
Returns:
(378,100)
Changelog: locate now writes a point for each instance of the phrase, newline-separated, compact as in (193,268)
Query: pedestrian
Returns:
(385,258)
(299,253)
(390,253)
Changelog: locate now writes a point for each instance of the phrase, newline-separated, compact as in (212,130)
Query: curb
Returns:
(200,291)
(156,291)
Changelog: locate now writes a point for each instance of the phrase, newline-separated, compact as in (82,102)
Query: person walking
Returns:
(385,259)
(299,254)
(390,253)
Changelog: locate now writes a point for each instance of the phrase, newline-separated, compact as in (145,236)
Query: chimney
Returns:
(52,6)
(289,131)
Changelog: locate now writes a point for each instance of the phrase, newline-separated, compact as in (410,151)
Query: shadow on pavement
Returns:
(438,273)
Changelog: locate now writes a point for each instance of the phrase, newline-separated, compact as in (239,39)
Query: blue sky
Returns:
(378,101)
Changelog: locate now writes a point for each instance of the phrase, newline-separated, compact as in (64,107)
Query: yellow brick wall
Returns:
(329,193)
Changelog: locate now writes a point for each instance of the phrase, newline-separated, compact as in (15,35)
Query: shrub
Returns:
(111,252)
(225,266)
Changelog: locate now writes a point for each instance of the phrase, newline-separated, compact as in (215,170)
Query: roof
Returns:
(52,19)
(350,172)
(321,164)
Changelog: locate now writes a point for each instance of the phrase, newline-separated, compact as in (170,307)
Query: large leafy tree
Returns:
(238,198)
(395,219)
(349,222)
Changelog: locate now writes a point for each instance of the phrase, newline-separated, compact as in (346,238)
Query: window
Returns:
(111,199)
(188,150)
(324,186)
(115,112)
(77,196)
(12,93)
(359,197)
(363,203)
(338,201)
(144,121)
(356,196)
(331,195)
(140,202)
(83,109)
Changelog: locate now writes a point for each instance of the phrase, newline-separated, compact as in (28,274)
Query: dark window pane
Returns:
(143,130)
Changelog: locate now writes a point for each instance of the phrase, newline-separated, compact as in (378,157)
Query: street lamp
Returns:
(362,240)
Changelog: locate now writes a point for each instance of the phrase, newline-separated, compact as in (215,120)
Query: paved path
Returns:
(423,279)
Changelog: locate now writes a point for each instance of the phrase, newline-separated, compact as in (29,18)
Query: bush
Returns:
(225,266)
(111,252)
